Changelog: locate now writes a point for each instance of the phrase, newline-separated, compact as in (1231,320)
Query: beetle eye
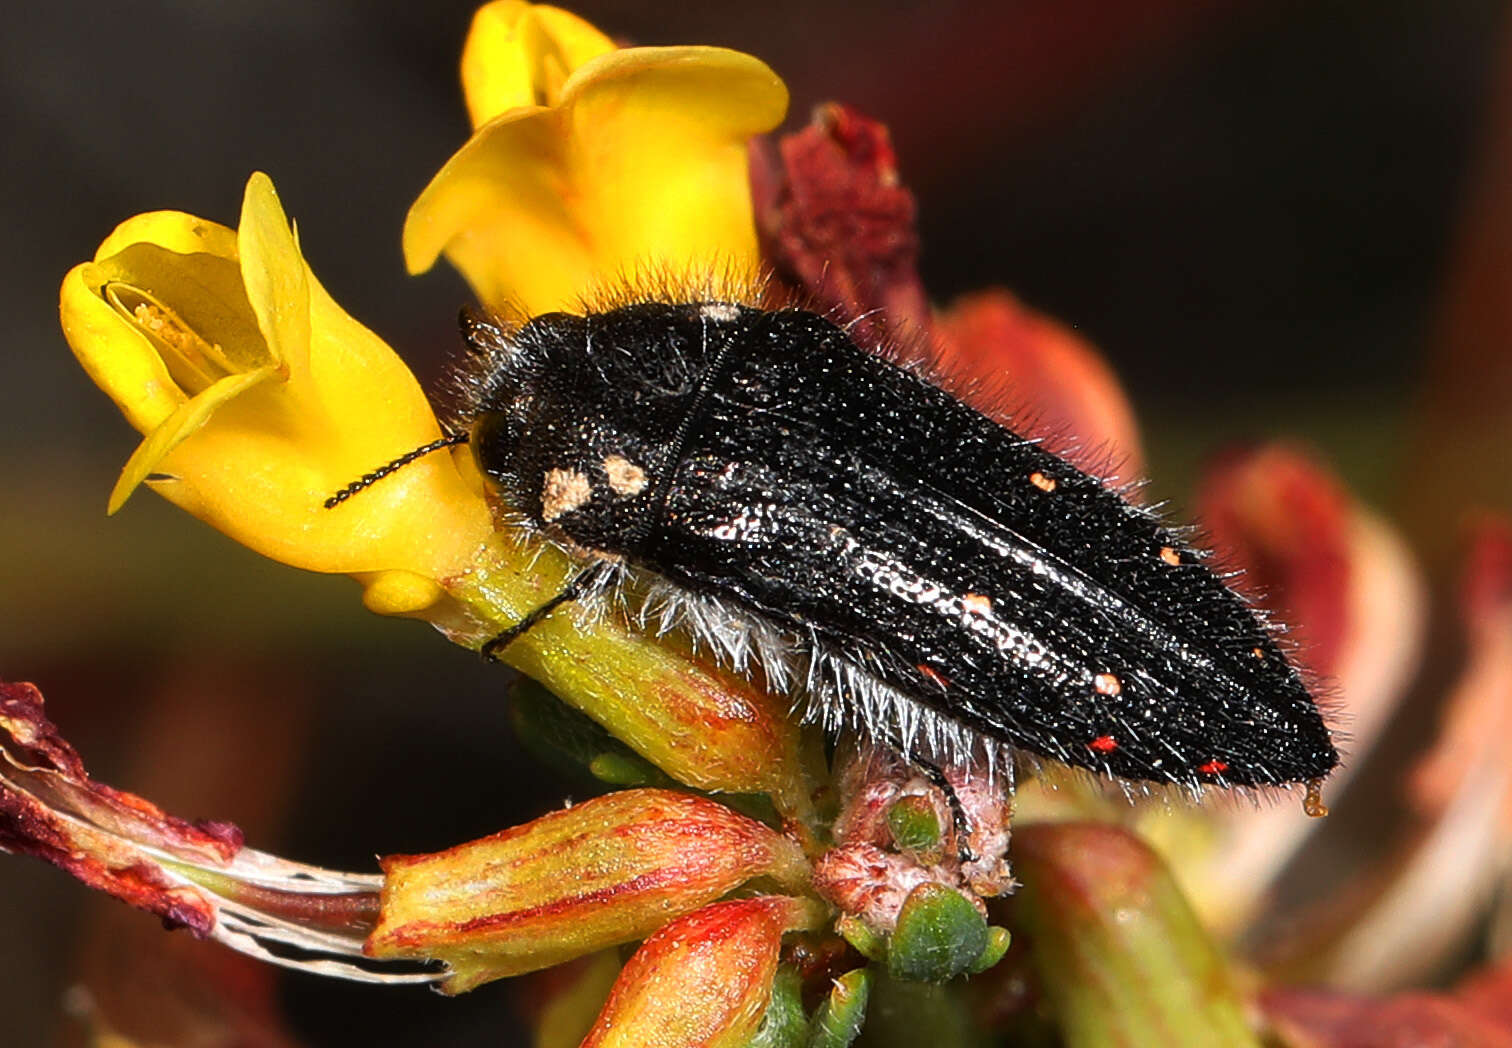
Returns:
(495,441)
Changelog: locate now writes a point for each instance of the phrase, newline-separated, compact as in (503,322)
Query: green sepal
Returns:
(625,770)
(860,935)
(838,1020)
(940,935)
(913,824)
(784,1025)
(562,738)
(909,1014)
(998,941)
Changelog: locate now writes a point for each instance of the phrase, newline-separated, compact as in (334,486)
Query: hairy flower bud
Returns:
(604,872)
(704,979)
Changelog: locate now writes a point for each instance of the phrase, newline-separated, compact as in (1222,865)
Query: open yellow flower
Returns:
(591,167)
(259,397)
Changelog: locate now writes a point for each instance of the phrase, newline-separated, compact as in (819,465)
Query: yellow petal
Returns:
(262,471)
(175,231)
(117,357)
(186,420)
(148,355)
(640,172)
(519,54)
(422,541)
(273,271)
(401,593)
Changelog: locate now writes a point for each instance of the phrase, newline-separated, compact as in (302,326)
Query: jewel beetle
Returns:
(907,566)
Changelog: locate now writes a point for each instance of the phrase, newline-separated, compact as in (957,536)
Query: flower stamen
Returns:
(194,362)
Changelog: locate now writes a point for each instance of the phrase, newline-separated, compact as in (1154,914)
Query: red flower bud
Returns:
(601,873)
(704,979)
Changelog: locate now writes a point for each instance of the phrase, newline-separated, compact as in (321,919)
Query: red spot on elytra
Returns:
(934,675)
(1213,767)
(1103,744)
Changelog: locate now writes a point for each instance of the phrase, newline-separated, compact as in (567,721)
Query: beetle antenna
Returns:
(369,479)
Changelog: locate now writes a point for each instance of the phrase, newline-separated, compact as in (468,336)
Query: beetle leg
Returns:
(934,774)
(582,583)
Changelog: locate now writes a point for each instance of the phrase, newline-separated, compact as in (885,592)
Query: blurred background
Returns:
(1274,218)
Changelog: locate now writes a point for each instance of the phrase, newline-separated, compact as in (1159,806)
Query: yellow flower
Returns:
(592,167)
(259,397)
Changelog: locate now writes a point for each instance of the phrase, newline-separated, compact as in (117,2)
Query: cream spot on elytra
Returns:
(625,477)
(1041,481)
(721,312)
(563,491)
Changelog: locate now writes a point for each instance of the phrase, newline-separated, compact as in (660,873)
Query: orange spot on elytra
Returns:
(1258,653)
(934,675)
(1170,556)
(1103,744)
(1041,481)
(1107,684)
(1213,767)
(1312,802)
(977,603)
